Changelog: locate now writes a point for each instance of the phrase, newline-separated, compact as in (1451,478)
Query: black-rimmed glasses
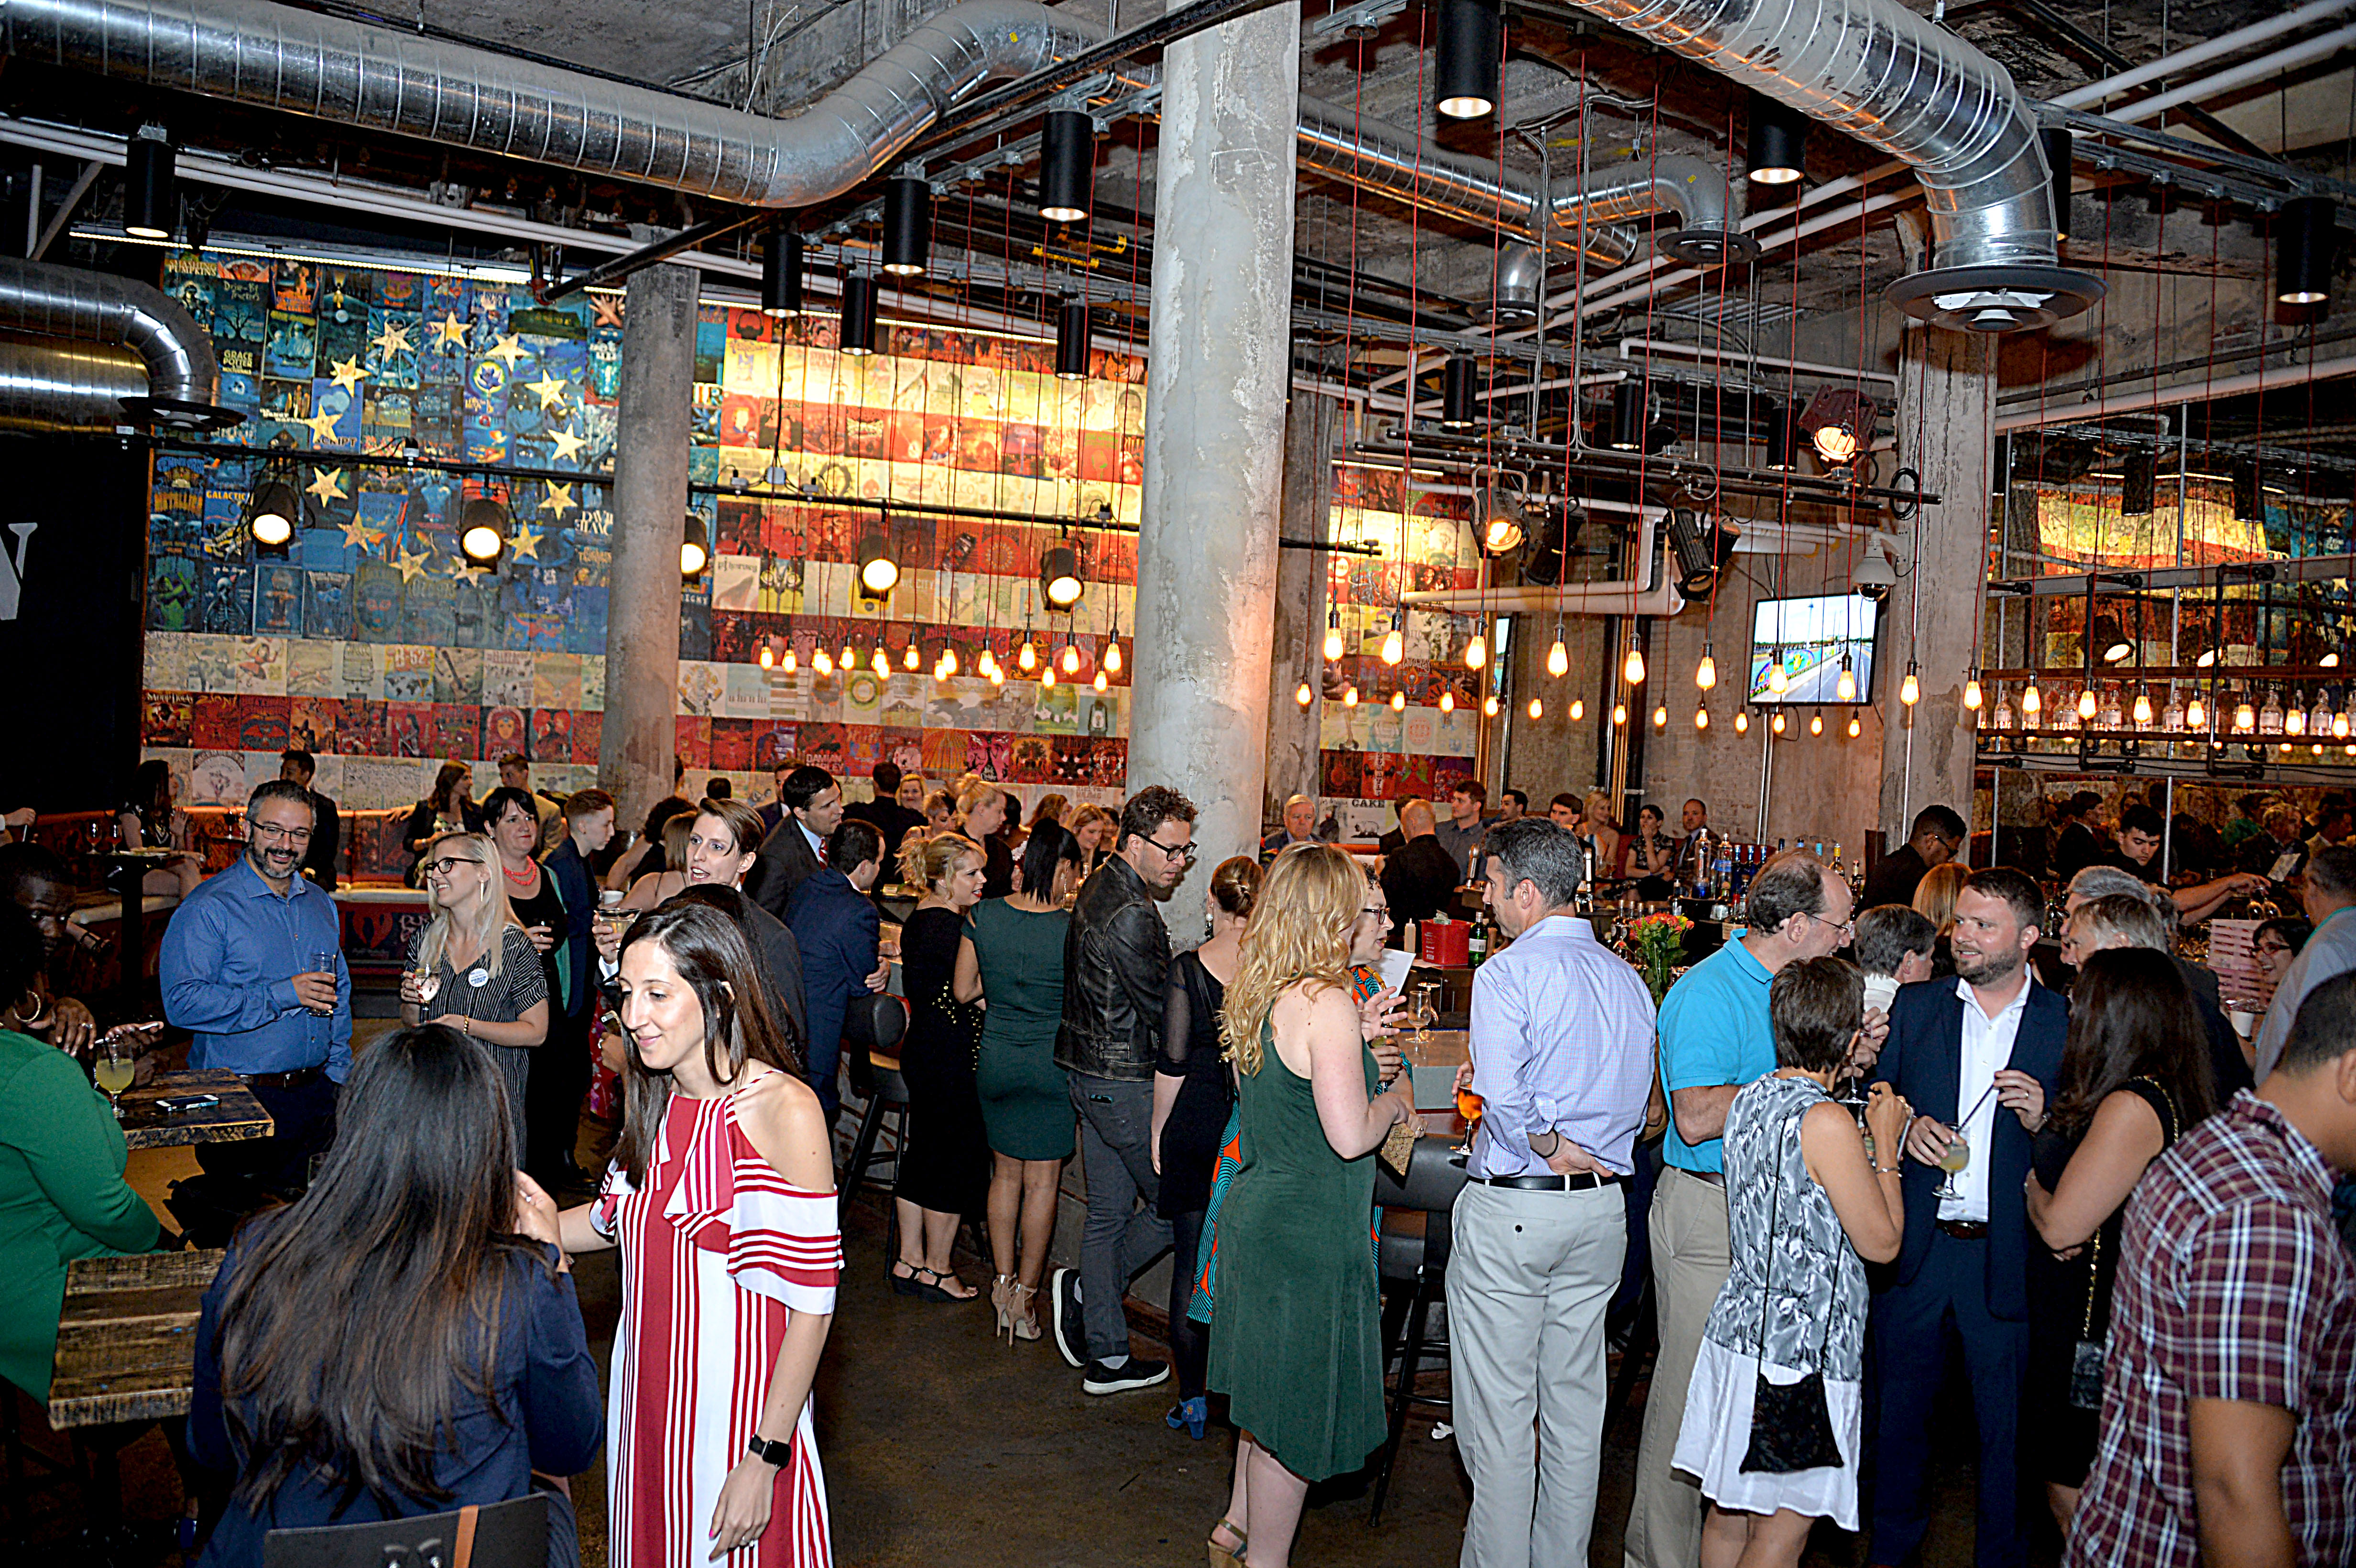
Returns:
(1184,853)
(441,868)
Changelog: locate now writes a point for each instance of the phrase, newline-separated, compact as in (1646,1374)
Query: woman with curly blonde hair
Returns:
(1294,1341)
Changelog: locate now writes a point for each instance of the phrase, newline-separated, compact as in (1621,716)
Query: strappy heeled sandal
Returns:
(1221,1557)
(1001,1289)
(1021,1314)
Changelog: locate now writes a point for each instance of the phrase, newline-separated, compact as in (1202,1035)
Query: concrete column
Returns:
(1301,577)
(1218,377)
(640,737)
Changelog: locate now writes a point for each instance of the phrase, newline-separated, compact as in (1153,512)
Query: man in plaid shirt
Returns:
(2229,1400)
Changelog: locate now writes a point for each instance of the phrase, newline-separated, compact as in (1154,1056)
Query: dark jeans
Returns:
(552,1095)
(304,1120)
(1123,1233)
(1190,1342)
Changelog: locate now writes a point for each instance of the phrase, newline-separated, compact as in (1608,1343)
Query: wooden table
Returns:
(238,1117)
(127,1338)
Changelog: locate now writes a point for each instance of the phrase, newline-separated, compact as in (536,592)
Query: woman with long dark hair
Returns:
(404,1340)
(721,1199)
(450,808)
(152,819)
(2135,1076)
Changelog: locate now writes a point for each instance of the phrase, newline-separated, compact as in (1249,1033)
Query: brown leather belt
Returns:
(297,1079)
(1965,1229)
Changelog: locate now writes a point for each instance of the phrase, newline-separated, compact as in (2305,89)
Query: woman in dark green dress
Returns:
(1295,1344)
(1013,959)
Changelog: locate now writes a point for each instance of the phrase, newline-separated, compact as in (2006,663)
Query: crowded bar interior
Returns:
(1533,781)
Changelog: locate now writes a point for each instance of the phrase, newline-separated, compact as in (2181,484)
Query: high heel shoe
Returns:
(1192,1416)
(1221,1557)
(1001,1289)
(1021,1316)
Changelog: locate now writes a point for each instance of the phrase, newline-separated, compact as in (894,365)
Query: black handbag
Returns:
(1791,1426)
(2088,1355)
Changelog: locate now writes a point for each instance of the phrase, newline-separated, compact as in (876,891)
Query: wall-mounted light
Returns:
(1470,58)
(908,226)
(150,194)
(694,548)
(1778,143)
(859,314)
(781,273)
(483,531)
(2306,236)
(1072,340)
(1068,165)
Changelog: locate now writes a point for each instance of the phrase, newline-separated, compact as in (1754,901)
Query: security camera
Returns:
(1873,577)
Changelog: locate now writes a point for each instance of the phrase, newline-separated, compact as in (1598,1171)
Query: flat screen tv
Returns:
(1810,636)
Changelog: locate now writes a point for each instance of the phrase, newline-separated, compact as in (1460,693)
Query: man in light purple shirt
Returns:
(1562,1059)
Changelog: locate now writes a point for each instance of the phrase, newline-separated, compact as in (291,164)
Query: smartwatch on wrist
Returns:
(773,1455)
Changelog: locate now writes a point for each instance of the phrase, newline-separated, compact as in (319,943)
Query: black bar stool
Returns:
(889,1097)
(1411,1265)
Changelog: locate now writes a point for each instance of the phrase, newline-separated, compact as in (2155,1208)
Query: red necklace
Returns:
(522,882)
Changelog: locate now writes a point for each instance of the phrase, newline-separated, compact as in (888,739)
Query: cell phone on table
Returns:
(173,1104)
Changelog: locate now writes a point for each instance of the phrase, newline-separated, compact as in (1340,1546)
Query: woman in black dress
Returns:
(1192,1093)
(551,1121)
(945,1164)
(449,809)
(2135,1076)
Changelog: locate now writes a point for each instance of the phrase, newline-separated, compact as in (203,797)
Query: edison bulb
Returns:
(2142,709)
(1394,646)
(1332,642)
(1303,694)
(1349,696)
(1779,680)
(2086,703)
(1578,710)
(849,660)
(822,662)
(1854,729)
(1538,709)
(1846,687)
(1777,723)
(1028,656)
(2246,717)
(2340,726)
(1632,668)
(986,664)
(882,663)
(997,676)
(1476,652)
(1972,694)
(1071,658)
(2294,721)
(1742,721)
(1101,683)
(1816,725)
(788,661)
(1112,656)
(2032,701)
(2196,713)
(1557,659)
(909,657)
(1701,718)
(1447,700)
(1660,717)
(1399,701)
(1619,713)
(1706,673)
(1489,705)
(1910,690)
(768,657)
(948,662)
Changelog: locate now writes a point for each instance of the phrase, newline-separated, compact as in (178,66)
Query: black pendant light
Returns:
(1779,139)
(2306,239)
(273,513)
(694,548)
(1782,439)
(1068,165)
(2058,153)
(1059,577)
(1628,417)
(483,531)
(908,226)
(1460,402)
(1072,340)
(1472,51)
(2135,486)
(781,273)
(150,202)
(859,313)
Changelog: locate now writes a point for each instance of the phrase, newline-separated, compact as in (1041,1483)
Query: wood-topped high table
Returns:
(127,1338)
(238,1117)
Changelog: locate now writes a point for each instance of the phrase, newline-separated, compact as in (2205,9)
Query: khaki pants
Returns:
(1690,1260)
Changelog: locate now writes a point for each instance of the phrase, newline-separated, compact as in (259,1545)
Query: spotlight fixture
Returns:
(1333,634)
(859,314)
(1779,136)
(908,226)
(781,273)
(483,531)
(1471,57)
(1459,401)
(878,572)
(1910,690)
(273,512)
(2306,236)
(1838,420)
(2057,140)
(1557,658)
(1845,689)
(1072,340)
(150,200)
(1059,576)
(694,547)
(1303,694)
(2111,640)
(1068,165)
(1538,709)
(1706,672)
(1632,668)
(1700,551)
(1628,416)
(1476,652)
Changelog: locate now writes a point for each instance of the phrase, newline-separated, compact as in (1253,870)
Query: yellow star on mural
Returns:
(450,332)
(551,390)
(507,351)
(358,535)
(461,570)
(411,565)
(568,445)
(393,340)
(321,426)
(558,500)
(524,543)
(348,374)
(327,483)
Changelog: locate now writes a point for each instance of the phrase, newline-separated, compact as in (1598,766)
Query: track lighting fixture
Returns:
(1068,165)
(2305,238)
(2111,642)
(483,531)
(1059,576)
(1782,439)
(1471,57)
(908,226)
(2057,140)
(1072,340)
(1460,402)
(150,197)
(694,547)
(1779,136)
(859,314)
(781,273)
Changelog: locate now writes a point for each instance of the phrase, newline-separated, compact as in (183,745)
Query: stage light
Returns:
(1068,165)
(1470,58)
(1836,443)
(1628,411)
(781,273)
(483,531)
(1778,142)
(271,512)
(2114,642)
(1782,439)
(150,200)
(908,226)
(1059,577)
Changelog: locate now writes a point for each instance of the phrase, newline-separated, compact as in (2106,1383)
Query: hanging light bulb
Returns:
(1619,713)
(2245,717)
(1701,718)
(1112,656)
(1578,710)
(1972,692)
(1779,680)
(1027,656)
(822,662)
(1071,658)
(2196,714)
(1557,658)
(768,655)
(788,661)
(1047,676)
(1447,700)
(2143,709)
(1854,729)
(882,663)
(909,657)
(1349,696)
(1660,717)
(986,664)
(1101,683)
(1777,723)
(1489,705)
(2295,718)
(1632,668)
(1742,721)
(1706,672)
(1538,709)
(1303,694)
(1333,634)
(948,661)
(1816,725)
(1476,652)
(2340,726)
(2086,703)
(997,676)
(1846,687)
(1394,646)
(2032,703)
(1910,690)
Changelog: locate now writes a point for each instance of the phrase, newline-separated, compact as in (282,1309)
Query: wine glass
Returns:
(1954,1162)
(1426,1015)
(112,1069)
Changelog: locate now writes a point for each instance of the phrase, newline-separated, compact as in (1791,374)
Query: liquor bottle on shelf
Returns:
(1476,942)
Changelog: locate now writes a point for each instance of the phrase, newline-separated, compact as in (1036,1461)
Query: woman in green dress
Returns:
(62,1195)
(1013,959)
(1295,1343)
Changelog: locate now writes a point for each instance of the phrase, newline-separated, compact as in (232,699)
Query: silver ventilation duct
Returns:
(103,339)
(1876,71)
(382,79)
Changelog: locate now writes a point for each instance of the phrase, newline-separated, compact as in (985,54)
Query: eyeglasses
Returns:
(1184,853)
(1845,927)
(1380,912)
(442,867)
(281,835)
(2273,947)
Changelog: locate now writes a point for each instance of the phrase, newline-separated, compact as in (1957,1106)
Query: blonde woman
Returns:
(940,812)
(982,810)
(1294,1341)
(1935,895)
(1096,828)
(944,1164)
(1609,844)
(473,968)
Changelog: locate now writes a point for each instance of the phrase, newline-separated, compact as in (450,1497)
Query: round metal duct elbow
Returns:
(65,389)
(180,379)
(1521,278)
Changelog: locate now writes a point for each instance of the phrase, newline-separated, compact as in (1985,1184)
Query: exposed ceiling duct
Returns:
(1876,71)
(100,341)
(382,79)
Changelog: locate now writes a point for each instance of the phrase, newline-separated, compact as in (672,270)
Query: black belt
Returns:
(297,1079)
(1965,1229)
(1581,1181)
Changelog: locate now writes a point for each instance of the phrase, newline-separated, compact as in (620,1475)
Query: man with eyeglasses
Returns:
(253,966)
(1115,974)
(1716,1039)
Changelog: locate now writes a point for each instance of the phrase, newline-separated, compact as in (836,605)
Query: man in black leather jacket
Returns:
(1116,969)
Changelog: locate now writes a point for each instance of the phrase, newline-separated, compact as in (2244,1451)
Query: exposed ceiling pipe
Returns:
(2273,381)
(2218,48)
(58,388)
(108,338)
(1658,597)
(382,79)
(2265,68)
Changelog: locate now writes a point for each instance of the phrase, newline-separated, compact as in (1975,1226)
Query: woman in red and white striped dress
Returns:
(720,1197)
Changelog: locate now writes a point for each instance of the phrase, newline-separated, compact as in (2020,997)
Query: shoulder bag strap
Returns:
(461,1549)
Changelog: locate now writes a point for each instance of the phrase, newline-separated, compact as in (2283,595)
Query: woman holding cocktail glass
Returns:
(473,967)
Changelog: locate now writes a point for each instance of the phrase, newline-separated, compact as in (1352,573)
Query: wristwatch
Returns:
(773,1455)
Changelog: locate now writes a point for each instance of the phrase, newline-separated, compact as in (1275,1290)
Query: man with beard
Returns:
(1979,1062)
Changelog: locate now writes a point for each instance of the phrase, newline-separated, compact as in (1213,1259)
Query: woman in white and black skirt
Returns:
(1806,1213)
(473,968)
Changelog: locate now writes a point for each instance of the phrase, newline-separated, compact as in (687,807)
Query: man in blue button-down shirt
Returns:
(1562,1059)
(252,965)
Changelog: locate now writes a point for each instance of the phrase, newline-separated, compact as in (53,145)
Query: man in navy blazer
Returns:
(837,926)
(1985,1047)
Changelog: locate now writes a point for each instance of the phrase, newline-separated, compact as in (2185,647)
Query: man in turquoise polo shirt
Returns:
(1715,1038)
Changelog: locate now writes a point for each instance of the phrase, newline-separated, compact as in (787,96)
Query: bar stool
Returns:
(872,1029)
(1412,1245)
(889,1098)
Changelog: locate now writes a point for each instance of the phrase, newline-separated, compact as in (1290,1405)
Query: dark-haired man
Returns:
(1933,841)
(837,929)
(34,879)
(883,810)
(2079,843)
(299,767)
(1513,805)
(2229,1416)
(253,966)
(2141,829)
(1980,1061)
(813,808)
(1116,969)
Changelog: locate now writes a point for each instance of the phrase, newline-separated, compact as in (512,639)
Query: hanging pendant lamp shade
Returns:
(150,200)
(1072,340)
(1779,136)
(1068,165)
(1782,439)
(1059,576)
(483,531)
(1471,55)
(859,314)
(274,513)
(1628,416)
(2305,238)
(695,548)
(1460,404)
(781,273)
(2057,142)
(908,226)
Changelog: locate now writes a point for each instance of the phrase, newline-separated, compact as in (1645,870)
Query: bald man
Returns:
(1419,877)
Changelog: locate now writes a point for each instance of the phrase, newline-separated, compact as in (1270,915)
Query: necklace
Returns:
(522,882)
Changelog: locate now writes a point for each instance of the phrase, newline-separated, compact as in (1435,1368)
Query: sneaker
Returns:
(1064,1310)
(1135,1372)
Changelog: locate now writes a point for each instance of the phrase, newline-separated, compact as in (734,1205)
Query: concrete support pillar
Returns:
(1218,377)
(640,739)
(1300,578)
